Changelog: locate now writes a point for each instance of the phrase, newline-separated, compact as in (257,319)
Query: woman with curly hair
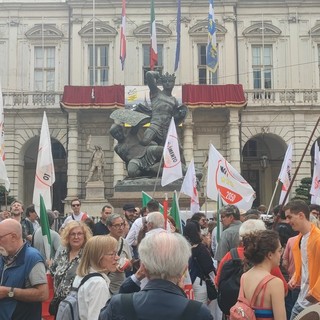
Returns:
(263,250)
(63,268)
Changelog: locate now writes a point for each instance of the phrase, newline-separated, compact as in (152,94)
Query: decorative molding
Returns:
(144,31)
(102,30)
(201,29)
(267,29)
(44,31)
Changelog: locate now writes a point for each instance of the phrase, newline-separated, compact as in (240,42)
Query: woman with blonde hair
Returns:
(99,257)
(63,268)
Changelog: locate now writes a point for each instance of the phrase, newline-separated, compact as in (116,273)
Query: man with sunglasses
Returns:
(76,214)
(23,282)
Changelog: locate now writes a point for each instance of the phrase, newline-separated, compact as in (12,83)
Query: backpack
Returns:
(243,309)
(189,313)
(68,307)
(229,282)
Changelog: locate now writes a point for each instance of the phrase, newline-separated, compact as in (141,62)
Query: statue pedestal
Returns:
(130,191)
(95,190)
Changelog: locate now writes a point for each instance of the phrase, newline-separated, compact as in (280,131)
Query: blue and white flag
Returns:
(212,54)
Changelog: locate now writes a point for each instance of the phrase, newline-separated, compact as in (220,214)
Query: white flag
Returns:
(189,187)
(225,180)
(285,175)
(315,186)
(44,179)
(172,169)
(3,171)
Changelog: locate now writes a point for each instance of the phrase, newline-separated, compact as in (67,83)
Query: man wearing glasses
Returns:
(115,224)
(230,219)
(76,214)
(23,282)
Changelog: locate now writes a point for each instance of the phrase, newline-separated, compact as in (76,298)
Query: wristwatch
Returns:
(11,293)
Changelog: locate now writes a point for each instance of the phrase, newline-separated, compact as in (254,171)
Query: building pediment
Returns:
(102,29)
(144,31)
(44,31)
(201,29)
(259,29)
(315,33)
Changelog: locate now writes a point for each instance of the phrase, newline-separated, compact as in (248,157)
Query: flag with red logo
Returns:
(189,187)
(285,175)
(315,186)
(123,49)
(225,180)
(172,169)
(154,46)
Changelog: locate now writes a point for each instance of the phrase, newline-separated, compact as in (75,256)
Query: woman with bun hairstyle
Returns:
(263,250)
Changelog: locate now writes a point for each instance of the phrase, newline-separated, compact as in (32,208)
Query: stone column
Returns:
(234,138)
(118,167)
(188,137)
(73,158)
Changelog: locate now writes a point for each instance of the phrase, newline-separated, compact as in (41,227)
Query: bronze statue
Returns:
(142,153)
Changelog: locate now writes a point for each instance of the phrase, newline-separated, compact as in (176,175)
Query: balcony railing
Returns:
(31,99)
(275,97)
(283,97)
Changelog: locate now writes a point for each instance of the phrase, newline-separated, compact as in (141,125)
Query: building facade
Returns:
(271,48)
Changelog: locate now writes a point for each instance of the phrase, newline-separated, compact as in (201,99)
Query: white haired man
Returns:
(162,297)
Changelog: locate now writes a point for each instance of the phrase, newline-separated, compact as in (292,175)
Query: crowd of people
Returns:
(136,264)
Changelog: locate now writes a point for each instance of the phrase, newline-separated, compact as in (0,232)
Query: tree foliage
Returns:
(3,197)
(303,190)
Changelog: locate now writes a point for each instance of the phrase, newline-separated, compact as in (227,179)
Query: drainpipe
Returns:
(237,45)
(69,48)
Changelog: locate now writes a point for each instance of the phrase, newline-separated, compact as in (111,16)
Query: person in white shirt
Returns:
(76,214)
(99,256)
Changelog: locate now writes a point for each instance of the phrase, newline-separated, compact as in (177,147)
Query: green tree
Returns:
(3,197)
(303,190)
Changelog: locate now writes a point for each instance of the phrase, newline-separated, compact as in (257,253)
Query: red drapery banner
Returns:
(229,95)
(93,96)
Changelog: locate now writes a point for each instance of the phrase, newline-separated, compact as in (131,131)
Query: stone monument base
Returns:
(95,190)
(130,191)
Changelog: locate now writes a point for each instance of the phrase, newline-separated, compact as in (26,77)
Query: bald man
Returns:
(23,282)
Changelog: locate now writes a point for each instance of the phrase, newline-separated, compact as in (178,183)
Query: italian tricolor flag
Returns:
(153,47)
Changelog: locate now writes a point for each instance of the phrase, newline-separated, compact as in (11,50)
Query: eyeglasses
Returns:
(4,235)
(113,254)
(118,225)
(75,205)
(76,234)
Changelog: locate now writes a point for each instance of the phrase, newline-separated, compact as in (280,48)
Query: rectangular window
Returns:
(204,75)
(44,68)
(146,60)
(101,70)
(262,65)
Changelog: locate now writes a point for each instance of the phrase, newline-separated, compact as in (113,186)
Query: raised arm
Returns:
(152,77)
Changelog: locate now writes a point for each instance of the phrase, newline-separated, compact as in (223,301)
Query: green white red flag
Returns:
(175,211)
(44,179)
(154,46)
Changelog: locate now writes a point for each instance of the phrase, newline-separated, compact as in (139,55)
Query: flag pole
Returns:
(273,195)
(299,165)
(157,177)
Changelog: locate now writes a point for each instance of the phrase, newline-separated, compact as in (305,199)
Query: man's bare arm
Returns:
(152,77)
(39,292)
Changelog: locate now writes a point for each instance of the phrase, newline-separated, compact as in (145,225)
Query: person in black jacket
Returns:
(164,257)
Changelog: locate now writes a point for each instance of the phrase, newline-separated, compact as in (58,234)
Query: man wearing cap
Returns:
(129,209)
(230,219)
